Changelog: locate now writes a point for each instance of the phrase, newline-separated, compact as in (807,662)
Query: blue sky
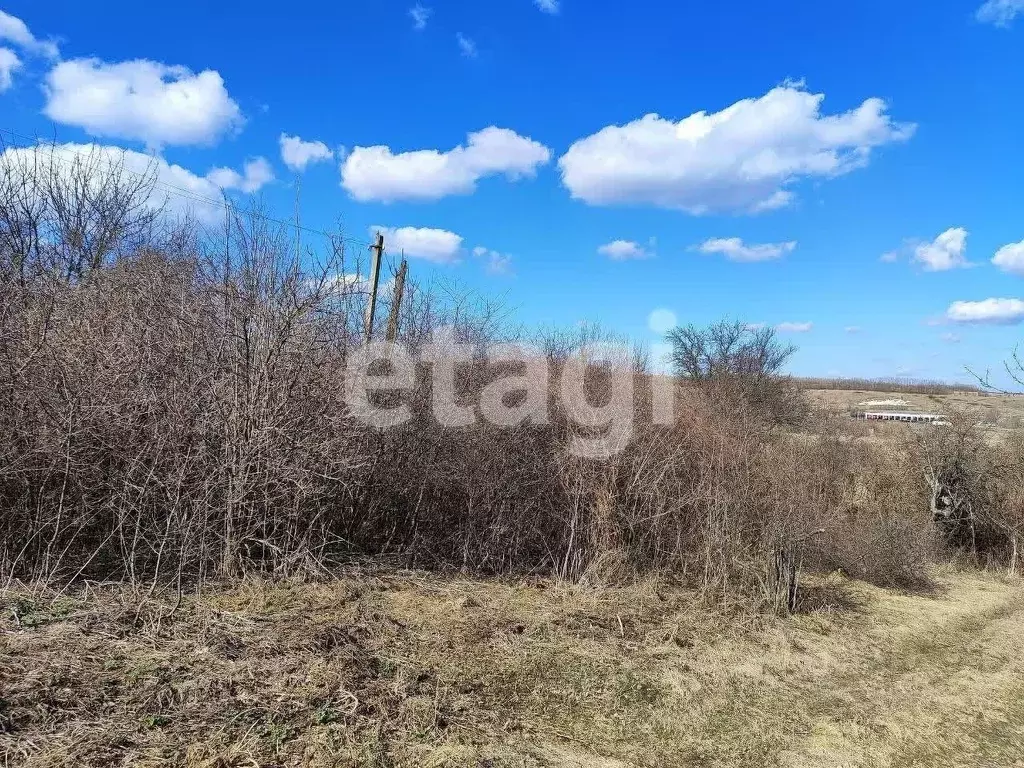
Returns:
(856,166)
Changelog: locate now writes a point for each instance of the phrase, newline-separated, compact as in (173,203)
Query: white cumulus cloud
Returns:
(9,64)
(141,100)
(1000,12)
(298,154)
(992,311)
(437,245)
(379,175)
(734,249)
(789,327)
(622,250)
(743,158)
(14,30)
(548,6)
(255,174)
(947,251)
(1010,258)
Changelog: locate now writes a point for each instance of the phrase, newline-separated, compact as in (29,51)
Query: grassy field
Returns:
(999,412)
(390,668)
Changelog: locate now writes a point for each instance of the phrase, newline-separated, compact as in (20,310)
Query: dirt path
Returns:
(945,689)
(912,681)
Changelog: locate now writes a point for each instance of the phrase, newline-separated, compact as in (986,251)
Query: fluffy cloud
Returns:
(497,263)
(744,158)
(1010,258)
(1000,12)
(622,250)
(548,6)
(947,251)
(376,174)
(992,311)
(177,190)
(419,16)
(794,327)
(256,174)
(9,64)
(437,245)
(466,46)
(734,249)
(661,321)
(141,100)
(852,329)
(14,30)
(297,154)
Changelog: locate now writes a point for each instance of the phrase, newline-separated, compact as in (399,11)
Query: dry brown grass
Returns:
(998,412)
(389,668)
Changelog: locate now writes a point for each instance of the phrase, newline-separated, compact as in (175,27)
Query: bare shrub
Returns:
(975,489)
(733,357)
(881,531)
(956,465)
(172,406)
(735,507)
(1007,514)
(174,401)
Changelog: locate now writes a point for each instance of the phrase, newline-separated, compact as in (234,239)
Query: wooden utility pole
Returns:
(377,249)
(396,301)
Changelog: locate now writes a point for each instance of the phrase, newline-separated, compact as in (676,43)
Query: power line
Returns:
(179,191)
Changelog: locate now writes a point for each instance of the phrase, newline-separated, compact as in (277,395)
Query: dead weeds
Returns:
(389,668)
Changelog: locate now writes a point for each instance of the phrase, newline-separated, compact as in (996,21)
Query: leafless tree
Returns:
(66,212)
(749,362)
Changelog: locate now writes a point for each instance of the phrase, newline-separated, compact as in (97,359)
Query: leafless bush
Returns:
(881,530)
(975,489)
(1007,514)
(174,401)
(171,403)
(732,357)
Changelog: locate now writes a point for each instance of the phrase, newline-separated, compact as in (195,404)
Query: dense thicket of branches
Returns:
(977,489)
(169,403)
(172,409)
